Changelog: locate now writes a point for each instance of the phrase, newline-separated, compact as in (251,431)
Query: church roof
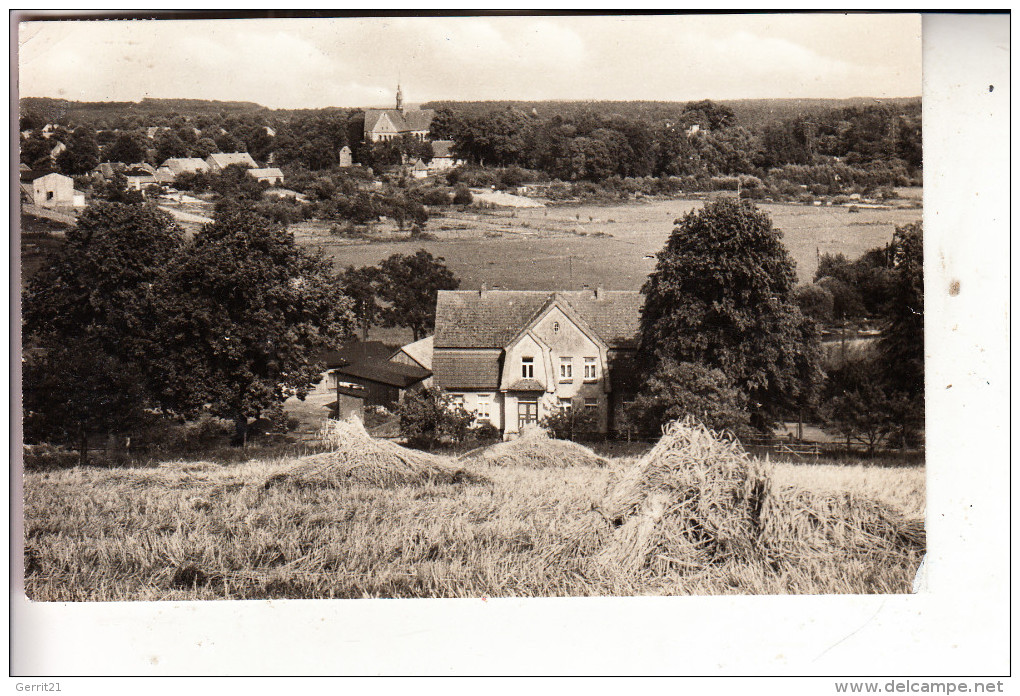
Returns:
(404,120)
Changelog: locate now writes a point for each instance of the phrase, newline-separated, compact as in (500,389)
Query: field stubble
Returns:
(201,530)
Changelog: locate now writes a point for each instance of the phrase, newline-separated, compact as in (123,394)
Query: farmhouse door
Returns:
(527,412)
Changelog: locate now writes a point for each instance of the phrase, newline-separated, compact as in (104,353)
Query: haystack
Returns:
(535,449)
(798,524)
(357,457)
(698,500)
(694,499)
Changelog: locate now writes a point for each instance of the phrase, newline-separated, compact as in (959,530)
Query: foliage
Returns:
(409,286)
(680,389)
(859,405)
(129,147)
(565,424)
(242,318)
(721,295)
(81,155)
(428,416)
(462,195)
(815,302)
(88,317)
(902,345)
(360,284)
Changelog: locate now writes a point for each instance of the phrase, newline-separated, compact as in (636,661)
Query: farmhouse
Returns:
(442,156)
(419,170)
(185,165)
(218,161)
(515,357)
(138,177)
(391,124)
(49,189)
(271,175)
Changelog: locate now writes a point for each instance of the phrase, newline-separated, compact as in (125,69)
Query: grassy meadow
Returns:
(564,247)
(188,530)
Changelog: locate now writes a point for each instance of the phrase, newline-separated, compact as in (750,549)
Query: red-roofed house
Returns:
(515,357)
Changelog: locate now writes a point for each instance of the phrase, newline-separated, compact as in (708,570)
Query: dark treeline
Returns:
(842,145)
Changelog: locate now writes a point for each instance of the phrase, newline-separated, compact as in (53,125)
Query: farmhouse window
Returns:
(483,410)
(458,401)
(527,368)
(591,404)
(590,370)
(565,405)
(566,370)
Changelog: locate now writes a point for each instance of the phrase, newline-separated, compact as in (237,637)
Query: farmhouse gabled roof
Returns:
(491,318)
(186,164)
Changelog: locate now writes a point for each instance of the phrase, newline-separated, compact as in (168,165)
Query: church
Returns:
(390,124)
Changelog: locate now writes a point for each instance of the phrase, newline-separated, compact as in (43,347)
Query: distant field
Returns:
(567,247)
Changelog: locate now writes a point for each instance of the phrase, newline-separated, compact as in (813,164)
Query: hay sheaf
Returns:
(357,457)
(697,500)
(692,500)
(535,449)
(797,524)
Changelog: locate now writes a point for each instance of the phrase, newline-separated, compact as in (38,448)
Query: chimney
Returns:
(599,293)
(482,289)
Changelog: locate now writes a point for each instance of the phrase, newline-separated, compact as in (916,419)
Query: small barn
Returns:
(379,382)
(49,189)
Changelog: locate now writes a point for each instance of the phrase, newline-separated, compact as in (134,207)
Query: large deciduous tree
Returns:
(89,316)
(244,316)
(81,155)
(721,296)
(410,285)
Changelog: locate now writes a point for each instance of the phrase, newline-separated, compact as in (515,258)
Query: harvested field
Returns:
(535,449)
(692,516)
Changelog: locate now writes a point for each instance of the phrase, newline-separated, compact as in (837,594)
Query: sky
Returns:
(349,62)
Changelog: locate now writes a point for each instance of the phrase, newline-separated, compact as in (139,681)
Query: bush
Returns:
(567,424)
(462,195)
(485,431)
(428,417)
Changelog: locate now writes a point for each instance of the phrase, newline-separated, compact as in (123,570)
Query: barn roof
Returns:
(419,351)
(385,372)
(266,172)
(491,318)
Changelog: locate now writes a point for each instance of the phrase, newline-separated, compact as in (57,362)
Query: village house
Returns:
(49,189)
(139,176)
(442,156)
(419,170)
(218,161)
(185,165)
(514,358)
(345,158)
(391,124)
(271,175)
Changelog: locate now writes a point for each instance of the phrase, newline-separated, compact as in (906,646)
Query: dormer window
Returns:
(528,368)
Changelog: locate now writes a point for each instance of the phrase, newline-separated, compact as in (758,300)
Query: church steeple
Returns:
(400,98)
